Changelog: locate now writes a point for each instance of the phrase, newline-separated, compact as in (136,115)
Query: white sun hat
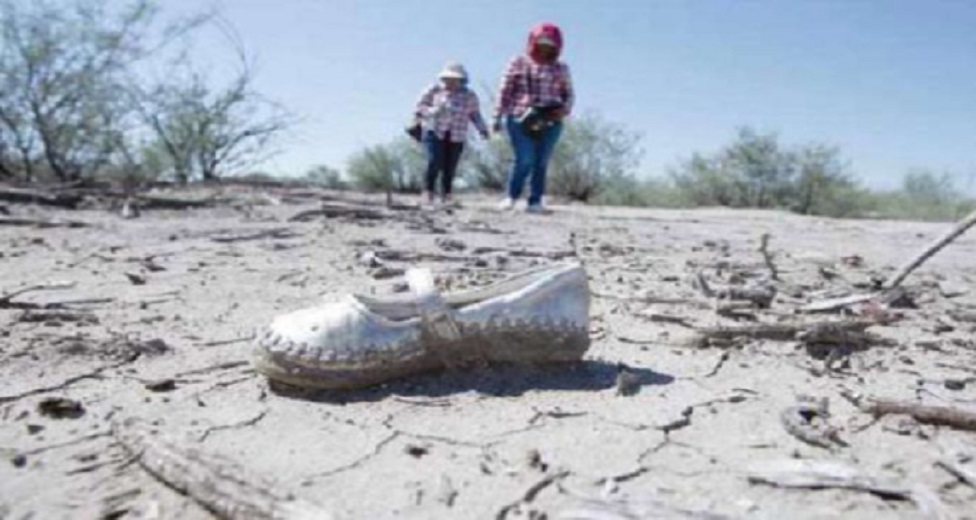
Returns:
(453,70)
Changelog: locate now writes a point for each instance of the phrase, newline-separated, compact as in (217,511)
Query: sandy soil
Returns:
(169,341)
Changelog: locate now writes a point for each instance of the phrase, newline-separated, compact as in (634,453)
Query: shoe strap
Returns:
(437,316)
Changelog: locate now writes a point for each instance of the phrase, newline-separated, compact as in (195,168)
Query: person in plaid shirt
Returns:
(536,93)
(445,109)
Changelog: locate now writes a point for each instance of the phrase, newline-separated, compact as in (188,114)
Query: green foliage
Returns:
(756,171)
(593,154)
(62,67)
(74,104)
(397,166)
(487,165)
(924,195)
(326,177)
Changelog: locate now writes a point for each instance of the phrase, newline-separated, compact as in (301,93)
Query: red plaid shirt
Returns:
(528,83)
(444,111)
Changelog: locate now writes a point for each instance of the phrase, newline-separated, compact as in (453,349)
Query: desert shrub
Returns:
(396,166)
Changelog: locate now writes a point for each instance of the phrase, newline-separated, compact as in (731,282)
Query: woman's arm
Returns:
(506,92)
(474,113)
(569,96)
(426,104)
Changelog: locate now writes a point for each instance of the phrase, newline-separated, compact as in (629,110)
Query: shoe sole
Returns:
(516,345)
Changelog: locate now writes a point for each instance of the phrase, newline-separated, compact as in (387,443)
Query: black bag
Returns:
(537,119)
(416,132)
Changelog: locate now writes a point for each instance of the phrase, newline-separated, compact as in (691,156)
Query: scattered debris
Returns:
(450,244)
(161,385)
(416,451)
(824,474)
(277,233)
(136,279)
(41,197)
(706,336)
(762,296)
(57,317)
(628,382)
(726,354)
(446,493)
(41,223)
(342,210)
(629,507)
(809,422)
(19,460)
(960,464)
(60,408)
(530,494)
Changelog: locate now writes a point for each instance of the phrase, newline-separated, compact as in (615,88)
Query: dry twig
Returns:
(219,485)
(812,474)
(931,249)
(929,414)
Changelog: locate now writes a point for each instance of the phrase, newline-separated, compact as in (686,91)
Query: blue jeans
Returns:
(531,159)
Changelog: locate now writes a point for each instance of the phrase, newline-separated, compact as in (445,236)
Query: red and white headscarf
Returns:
(548,31)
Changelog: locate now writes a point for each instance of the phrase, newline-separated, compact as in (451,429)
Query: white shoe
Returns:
(508,204)
(535,209)
(538,316)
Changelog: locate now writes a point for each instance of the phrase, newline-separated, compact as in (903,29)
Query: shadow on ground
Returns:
(498,380)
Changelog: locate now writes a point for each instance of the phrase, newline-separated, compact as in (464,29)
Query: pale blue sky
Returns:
(889,81)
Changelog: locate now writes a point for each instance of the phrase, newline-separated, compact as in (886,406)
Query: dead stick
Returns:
(39,287)
(931,249)
(767,256)
(813,474)
(937,415)
(958,471)
(778,331)
(41,223)
(219,485)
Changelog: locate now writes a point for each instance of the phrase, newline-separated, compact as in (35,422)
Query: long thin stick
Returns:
(218,485)
(929,414)
(931,249)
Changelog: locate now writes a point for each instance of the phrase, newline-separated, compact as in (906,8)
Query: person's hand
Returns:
(496,127)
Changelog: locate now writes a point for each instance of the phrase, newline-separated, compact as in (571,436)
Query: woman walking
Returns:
(536,94)
(445,109)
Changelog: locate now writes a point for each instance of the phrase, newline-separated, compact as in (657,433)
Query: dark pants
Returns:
(443,156)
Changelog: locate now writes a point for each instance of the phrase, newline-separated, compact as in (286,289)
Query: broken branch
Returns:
(41,223)
(811,474)
(219,485)
(929,414)
(961,227)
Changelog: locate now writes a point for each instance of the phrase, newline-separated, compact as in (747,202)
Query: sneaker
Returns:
(507,204)
(535,209)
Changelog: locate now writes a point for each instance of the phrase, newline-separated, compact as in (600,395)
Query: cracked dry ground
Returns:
(168,344)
